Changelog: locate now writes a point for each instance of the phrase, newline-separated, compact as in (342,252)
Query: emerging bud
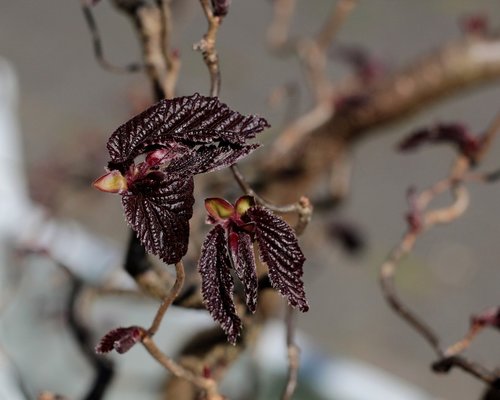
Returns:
(219,209)
(243,204)
(120,339)
(488,317)
(112,182)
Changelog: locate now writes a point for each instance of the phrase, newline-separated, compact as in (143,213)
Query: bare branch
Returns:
(97,45)
(207,47)
(293,355)
(169,299)
(464,64)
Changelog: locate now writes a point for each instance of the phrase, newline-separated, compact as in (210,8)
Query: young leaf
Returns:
(119,339)
(208,158)
(217,282)
(280,250)
(158,207)
(190,120)
(241,247)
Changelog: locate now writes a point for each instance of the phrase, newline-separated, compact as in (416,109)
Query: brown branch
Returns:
(208,385)
(461,65)
(176,369)
(277,34)
(169,299)
(293,352)
(153,26)
(207,47)
(98,48)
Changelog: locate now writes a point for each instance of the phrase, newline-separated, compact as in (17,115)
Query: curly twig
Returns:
(97,45)
(424,220)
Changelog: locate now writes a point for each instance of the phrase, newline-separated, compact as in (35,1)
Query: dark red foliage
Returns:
(489,317)
(241,249)
(456,134)
(280,250)
(189,120)
(119,339)
(158,207)
(181,137)
(236,228)
(217,283)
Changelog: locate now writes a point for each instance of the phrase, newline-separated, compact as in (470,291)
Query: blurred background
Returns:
(68,106)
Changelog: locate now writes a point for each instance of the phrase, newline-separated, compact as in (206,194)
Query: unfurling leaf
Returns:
(489,317)
(455,134)
(217,282)
(187,120)
(111,182)
(158,207)
(241,248)
(219,209)
(280,250)
(119,339)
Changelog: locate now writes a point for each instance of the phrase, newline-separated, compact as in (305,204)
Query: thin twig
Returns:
(455,183)
(335,21)
(97,45)
(293,355)
(488,137)
(464,343)
(169,299)
(279,29)
(207,47)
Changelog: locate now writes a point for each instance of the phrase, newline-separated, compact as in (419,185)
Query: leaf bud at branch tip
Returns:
(112,182)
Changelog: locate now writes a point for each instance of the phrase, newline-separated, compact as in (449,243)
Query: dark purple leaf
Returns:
(158,207)
(188,120)
(241,247)
(119,339)
(208,158)
(489,317)
(280,250)
(221,7)
(217,282)
(452,133)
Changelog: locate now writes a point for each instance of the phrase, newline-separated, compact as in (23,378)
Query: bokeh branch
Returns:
(420,219)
